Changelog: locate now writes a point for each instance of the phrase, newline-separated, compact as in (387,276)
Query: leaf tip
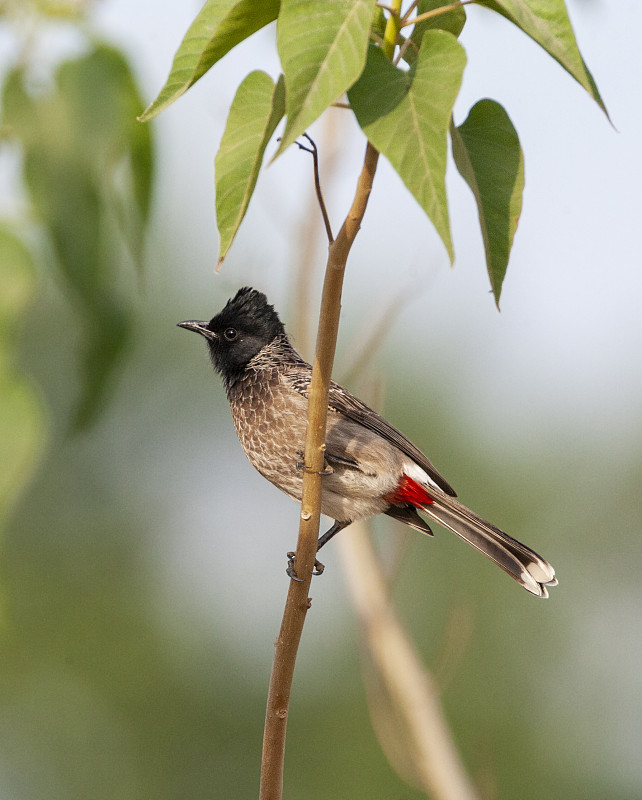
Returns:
(496,291)
(448,244)
(148,113)
(283,145)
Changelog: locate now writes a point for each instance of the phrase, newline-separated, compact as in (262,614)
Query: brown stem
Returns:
(297,602)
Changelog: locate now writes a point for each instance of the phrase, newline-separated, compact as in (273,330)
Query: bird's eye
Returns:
(230,334)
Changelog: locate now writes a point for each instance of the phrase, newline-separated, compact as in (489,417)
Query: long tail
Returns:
(519,561)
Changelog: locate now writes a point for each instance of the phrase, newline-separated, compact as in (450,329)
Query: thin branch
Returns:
(308,240)
(402,50)
(413,5)
(435,762)
(436,12)
(298,602)
(317,183)
(340,104)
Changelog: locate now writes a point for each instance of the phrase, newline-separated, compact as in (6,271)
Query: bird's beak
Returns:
(198,326)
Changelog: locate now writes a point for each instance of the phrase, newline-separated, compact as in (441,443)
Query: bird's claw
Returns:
(317,569)
(290,568)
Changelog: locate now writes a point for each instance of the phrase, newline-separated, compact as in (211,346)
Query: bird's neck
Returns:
(264,366)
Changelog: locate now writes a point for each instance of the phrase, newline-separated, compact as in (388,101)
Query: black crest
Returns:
(245,325)
(249,311)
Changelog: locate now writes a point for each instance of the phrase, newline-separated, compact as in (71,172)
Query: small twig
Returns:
(309,239)
(413,5)
(317,183)
(340,104)
(402,50)
(405,22)
(389,9)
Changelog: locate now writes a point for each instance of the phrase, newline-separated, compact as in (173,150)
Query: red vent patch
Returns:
(409,491)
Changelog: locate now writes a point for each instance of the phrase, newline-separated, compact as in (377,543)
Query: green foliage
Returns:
(547,22)
(22,418)
(406,116)
(323,51)
(489,157)
(257,109)
(405,111)
(87,171)
(219,26)
(99,700)
(452,21)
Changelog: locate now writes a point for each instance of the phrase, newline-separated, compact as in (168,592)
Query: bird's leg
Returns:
(338,526)
(318,566)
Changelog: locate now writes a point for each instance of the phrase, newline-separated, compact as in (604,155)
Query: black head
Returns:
(237,333)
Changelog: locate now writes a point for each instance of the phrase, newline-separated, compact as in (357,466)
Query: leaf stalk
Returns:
(436,12)
(393,26)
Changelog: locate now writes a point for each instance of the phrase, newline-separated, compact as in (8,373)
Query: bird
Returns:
(370,467)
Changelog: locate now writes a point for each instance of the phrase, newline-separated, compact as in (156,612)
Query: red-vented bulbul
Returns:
(371,467)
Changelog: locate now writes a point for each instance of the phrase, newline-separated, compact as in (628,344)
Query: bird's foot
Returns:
(317,570)
(301,465)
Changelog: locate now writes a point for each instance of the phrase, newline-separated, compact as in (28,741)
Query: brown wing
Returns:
(353,408)
(343,402)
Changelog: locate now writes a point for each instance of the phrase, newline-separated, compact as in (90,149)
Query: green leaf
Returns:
(257,109)
(452,21)
(22,429)
(219,27)
(82,150)
(17,282)
(489,157)
(22,418)
(105,342)
(103,100)
(57,149)
(322,45)
(547,22)
(406,115)
(379,21)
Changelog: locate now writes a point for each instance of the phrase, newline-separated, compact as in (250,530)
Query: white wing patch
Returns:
(420,476)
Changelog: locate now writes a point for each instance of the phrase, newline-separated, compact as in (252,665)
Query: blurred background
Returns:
(142,559)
